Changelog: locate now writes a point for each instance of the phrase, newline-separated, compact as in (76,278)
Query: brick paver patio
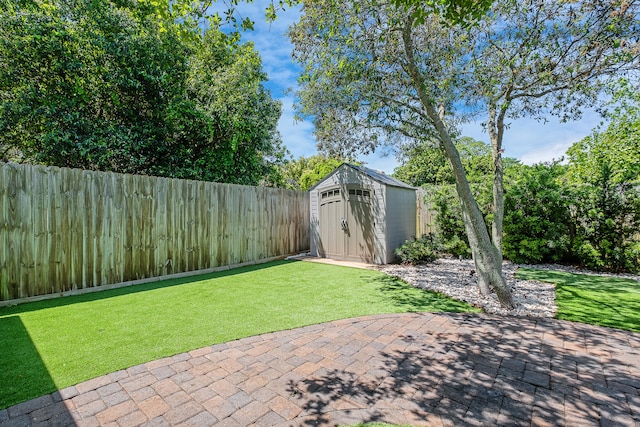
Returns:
(416,369)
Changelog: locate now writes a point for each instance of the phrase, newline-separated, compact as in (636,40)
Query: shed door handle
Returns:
(343,224)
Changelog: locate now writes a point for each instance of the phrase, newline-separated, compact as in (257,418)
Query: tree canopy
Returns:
(422,165)
(376,73)
(612,154)
(305,172)
(112,86)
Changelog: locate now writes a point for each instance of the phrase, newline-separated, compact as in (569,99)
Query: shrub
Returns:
(536,225)
(450,227)
(607,228)
(422,250)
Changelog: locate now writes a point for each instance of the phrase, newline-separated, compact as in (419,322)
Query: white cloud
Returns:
(547,153)
(270,41)
(525,139)
(297,136)
(533,142)
(281,78)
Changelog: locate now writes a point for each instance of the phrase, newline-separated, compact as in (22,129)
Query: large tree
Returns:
(112,86)
(543,58)
(377,73)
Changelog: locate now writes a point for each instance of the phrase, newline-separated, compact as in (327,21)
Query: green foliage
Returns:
(605,170)
(607,228)
(611,156)
(423,164)
(419,251)
(225,81)
(461,12)
(552,219)
(449,223)
(448,220)
(426,163)
(69,75)
(304,173)
(579,213)
(537,228)
(614,152)
(111,86)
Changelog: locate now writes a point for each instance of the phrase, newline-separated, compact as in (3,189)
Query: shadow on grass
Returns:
(89,342)
(18,351)
(23,373)
(126,290)
(412,299)
(598,300)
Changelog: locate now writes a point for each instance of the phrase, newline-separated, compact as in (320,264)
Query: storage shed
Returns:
(359,214)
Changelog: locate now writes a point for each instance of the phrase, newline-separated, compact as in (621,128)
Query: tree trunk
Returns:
(484,282)
(498,205)
(487,259)
(496,131)
(488,263)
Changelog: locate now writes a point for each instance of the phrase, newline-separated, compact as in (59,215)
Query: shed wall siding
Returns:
(379,197)
(314,223)
(401,219)
(394,211)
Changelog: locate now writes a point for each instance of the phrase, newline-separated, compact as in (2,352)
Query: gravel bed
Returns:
(457,279)
(454,278)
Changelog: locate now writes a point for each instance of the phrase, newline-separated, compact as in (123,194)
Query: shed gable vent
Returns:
(358,192)
(330,193)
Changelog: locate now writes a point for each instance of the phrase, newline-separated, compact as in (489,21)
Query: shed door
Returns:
(346,224)
(331,215)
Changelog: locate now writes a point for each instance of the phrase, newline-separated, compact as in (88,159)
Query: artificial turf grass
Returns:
(596,300)
(53,344)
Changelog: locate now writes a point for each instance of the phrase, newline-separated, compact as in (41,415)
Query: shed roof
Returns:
(373,174)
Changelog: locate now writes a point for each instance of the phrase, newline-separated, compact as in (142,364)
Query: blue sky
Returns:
(527,140)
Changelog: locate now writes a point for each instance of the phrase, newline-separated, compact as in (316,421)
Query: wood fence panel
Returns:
(39,200)
(172,228)
(26,277)
(14,228)
(215,219)
(67,229)
(425,221)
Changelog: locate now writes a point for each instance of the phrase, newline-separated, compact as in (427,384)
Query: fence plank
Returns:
(26,261)
(213,207)
(425,221)
(4,234)
(66,229)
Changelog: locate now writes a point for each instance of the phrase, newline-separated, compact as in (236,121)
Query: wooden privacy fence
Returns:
(425,214)
(66,229)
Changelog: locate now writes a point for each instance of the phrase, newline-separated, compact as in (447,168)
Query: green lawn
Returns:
(597,300)
(53,344)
